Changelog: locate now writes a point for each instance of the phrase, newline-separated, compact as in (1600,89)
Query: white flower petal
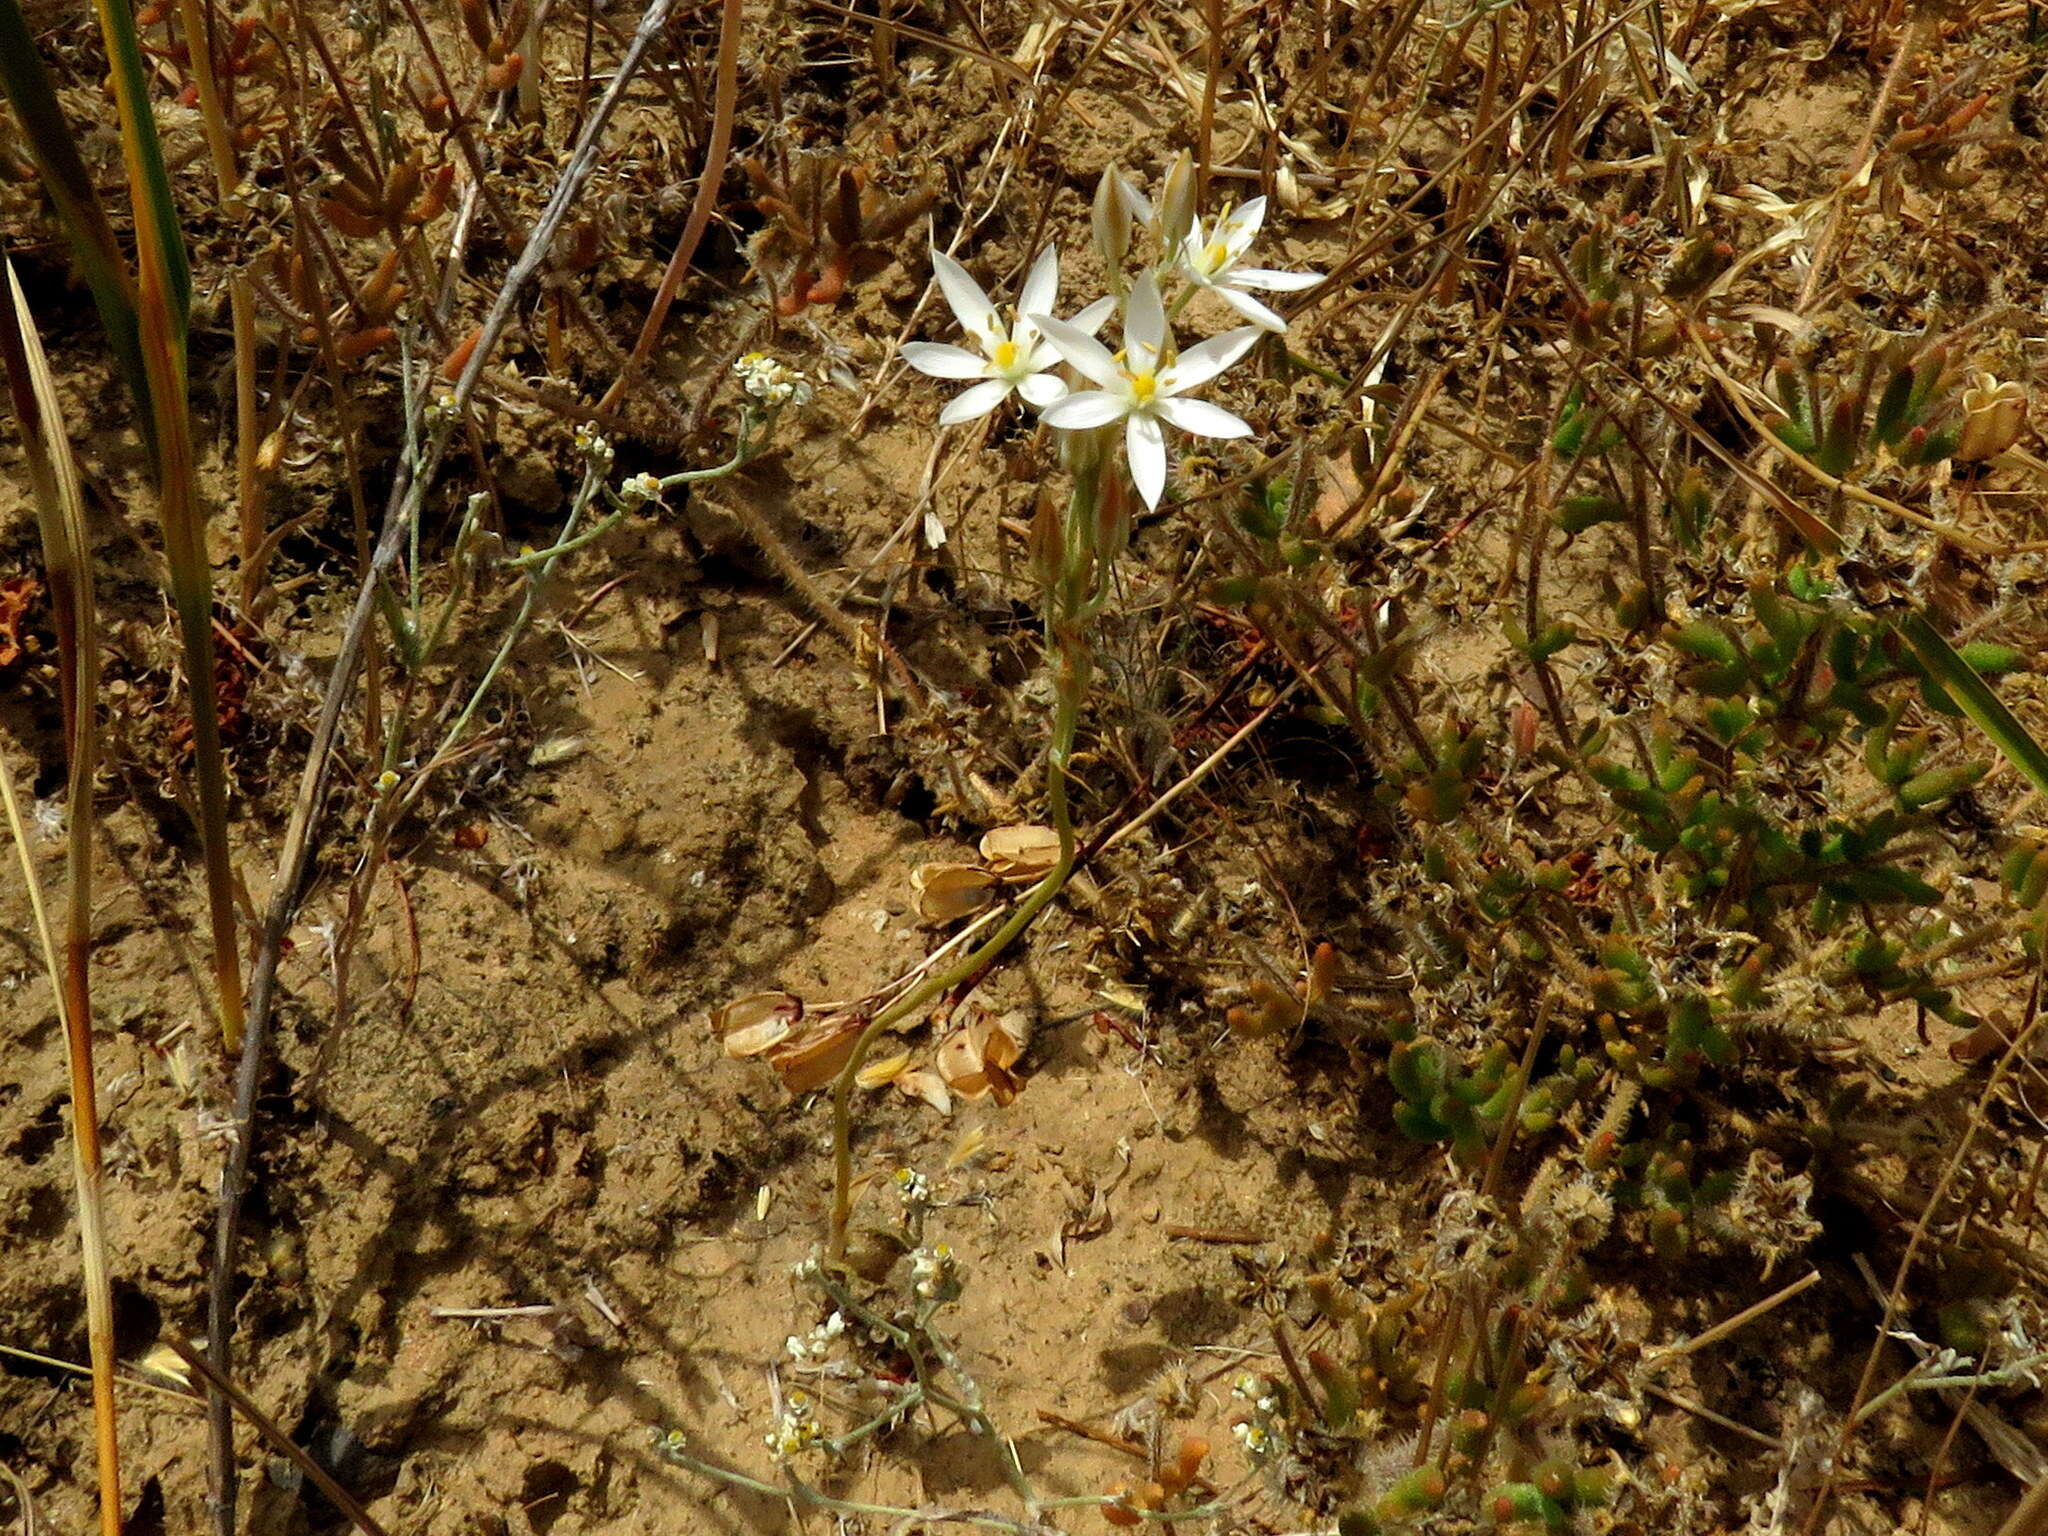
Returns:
(1243,225)
(1081,349)
(1041,389)
(978,401)
(1202,418)
(1250,308)
(1145,446)
(1205,359)
(1042,286)
(1273,282)
(944,362)
(1084,409)
(1090,320)
(971,305)
(1144,325)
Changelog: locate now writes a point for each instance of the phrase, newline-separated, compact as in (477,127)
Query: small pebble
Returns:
(1138,1311)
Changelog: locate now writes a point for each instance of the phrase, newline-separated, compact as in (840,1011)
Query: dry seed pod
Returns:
(1006,1038)
(1020,853)
(948,892)
(877,1074)
(456,361)
(381,289)
(402,184)
(815,1057)
(503,76)
(434,199)
(758,1022)
(961,1066)
(477,22)
(976,1058)
(1322,974)
(927,1085)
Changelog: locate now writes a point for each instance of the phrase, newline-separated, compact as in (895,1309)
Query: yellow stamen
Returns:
(1004,356)
(1143,387)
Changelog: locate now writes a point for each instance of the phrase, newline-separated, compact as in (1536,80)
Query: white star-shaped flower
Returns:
(1138,391)
(1212,260)
(1014,358)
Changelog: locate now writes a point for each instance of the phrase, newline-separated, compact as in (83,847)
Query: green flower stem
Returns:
(1065,719)
(839,1445)
(569,546)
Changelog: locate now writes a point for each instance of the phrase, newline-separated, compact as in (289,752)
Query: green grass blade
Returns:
(159,238)
(54,149)
(163,291)
(60,515)
(1975,698)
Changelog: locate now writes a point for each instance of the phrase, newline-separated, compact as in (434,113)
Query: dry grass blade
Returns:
(30,1524)
(163,307)
(2030,1516)
(724,105)
(60,517)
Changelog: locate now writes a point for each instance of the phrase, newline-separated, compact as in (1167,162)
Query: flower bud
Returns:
(1047,546)
(1176,214)
(1116,204)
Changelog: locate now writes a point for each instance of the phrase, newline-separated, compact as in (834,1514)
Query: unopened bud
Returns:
(1047,546)
(1116,204)
(1177,204)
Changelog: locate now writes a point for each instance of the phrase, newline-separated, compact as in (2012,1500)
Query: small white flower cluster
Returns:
(1255,1431)
(931,1270)
(639,489)
(595,448)
(1148,384)
(772,382)
(812,1348)
(913,1186)
(798,1428)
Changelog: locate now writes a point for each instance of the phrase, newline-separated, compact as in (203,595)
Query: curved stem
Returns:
(1072,682)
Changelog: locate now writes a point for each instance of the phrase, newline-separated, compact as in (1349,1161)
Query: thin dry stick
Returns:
(1199,772)
(724,107)
(31,1525)
(1701,1410)
(339,1496)
(407,493)
(1726,1326)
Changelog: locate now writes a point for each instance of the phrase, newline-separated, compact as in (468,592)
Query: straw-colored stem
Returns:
(78,644)
(60,519)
